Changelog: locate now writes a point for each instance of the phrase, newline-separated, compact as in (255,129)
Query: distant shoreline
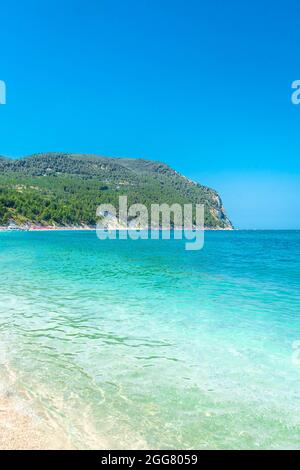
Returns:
(93,229)
(46,229)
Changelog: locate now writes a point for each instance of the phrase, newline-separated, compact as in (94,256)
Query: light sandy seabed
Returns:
(21,431)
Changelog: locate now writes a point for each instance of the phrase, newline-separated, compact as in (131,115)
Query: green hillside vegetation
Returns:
(65,189)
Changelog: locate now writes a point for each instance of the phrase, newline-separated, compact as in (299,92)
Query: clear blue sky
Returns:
(202,85)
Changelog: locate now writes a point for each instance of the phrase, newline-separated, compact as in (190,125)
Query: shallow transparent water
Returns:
(141,344)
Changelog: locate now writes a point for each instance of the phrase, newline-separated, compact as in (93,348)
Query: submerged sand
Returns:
(21,431)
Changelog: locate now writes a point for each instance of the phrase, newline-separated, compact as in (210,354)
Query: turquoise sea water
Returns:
(141,344)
